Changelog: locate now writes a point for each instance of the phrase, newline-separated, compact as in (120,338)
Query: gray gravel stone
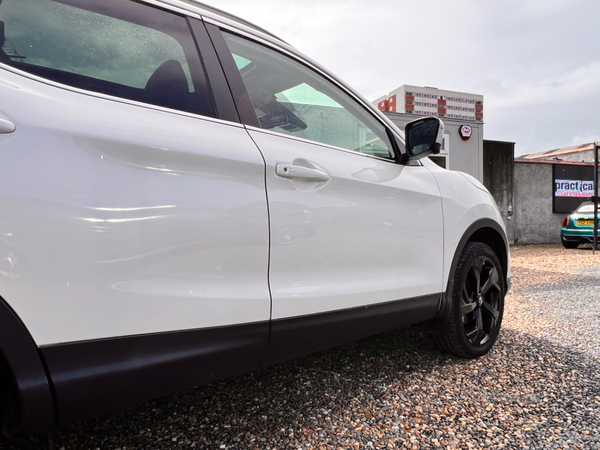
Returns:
(539,387)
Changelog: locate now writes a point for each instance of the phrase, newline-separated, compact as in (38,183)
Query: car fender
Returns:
(470,214)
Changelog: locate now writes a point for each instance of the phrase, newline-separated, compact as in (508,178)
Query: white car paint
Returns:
(160,270)
(122,219)
(465,201)
(372,233)
(146,277)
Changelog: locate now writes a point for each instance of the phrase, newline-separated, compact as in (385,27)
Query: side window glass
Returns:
(114,47)
(290,98)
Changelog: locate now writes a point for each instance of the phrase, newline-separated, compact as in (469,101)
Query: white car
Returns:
(185,197)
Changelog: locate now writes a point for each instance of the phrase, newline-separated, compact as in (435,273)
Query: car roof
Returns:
(216,13)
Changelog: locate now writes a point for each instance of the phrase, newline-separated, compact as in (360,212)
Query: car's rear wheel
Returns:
(477,304)
(569,244)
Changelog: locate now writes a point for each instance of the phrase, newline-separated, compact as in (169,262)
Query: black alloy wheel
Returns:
(480,301)
(477,304)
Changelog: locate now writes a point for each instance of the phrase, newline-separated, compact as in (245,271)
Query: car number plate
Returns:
(585,222)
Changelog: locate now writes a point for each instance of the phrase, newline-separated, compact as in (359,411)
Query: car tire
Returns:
(568,244)
(477,306)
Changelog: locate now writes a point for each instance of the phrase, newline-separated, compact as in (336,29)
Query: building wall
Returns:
(533,219)
(431,101)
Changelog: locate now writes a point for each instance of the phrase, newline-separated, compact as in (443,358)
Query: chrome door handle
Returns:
(304,173)
(6,126)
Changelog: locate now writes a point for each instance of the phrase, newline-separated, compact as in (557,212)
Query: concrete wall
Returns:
(533,219)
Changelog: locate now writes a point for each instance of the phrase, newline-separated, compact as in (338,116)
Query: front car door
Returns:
(351,229)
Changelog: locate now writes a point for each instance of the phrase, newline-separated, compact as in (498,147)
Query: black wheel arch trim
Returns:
(476,232)
(28,373)
(473,233)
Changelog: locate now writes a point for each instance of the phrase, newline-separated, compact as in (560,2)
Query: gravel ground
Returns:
(539,387)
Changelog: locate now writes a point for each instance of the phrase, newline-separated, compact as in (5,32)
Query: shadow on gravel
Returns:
(585,247)
(392,390)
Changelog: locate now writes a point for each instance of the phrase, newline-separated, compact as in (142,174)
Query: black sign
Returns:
(572,185)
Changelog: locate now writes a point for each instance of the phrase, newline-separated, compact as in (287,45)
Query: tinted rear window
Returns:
(586,209)
(118,48)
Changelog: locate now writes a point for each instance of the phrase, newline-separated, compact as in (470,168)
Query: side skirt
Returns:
(96,377)
(302,335)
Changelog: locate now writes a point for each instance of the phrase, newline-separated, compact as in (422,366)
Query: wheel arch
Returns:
(486,231)
(492,235)
(24,375)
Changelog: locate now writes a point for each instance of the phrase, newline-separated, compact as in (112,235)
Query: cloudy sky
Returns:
(537,62)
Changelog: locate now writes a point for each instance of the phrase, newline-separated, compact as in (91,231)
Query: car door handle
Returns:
(6,126)
(304,173)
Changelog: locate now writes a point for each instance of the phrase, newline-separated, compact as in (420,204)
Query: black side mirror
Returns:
(424,137)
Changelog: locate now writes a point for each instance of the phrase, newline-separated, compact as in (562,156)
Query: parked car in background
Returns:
(578,228)
(186,197)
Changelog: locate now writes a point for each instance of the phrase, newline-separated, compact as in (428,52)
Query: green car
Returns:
(578,228)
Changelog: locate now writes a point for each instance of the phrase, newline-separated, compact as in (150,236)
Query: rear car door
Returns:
(130,213)
(350,227)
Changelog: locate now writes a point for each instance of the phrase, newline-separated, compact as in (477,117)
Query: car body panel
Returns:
(465,202)
(371,233)
(114,230)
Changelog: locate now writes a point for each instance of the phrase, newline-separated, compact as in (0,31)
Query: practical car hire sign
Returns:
(574,188)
